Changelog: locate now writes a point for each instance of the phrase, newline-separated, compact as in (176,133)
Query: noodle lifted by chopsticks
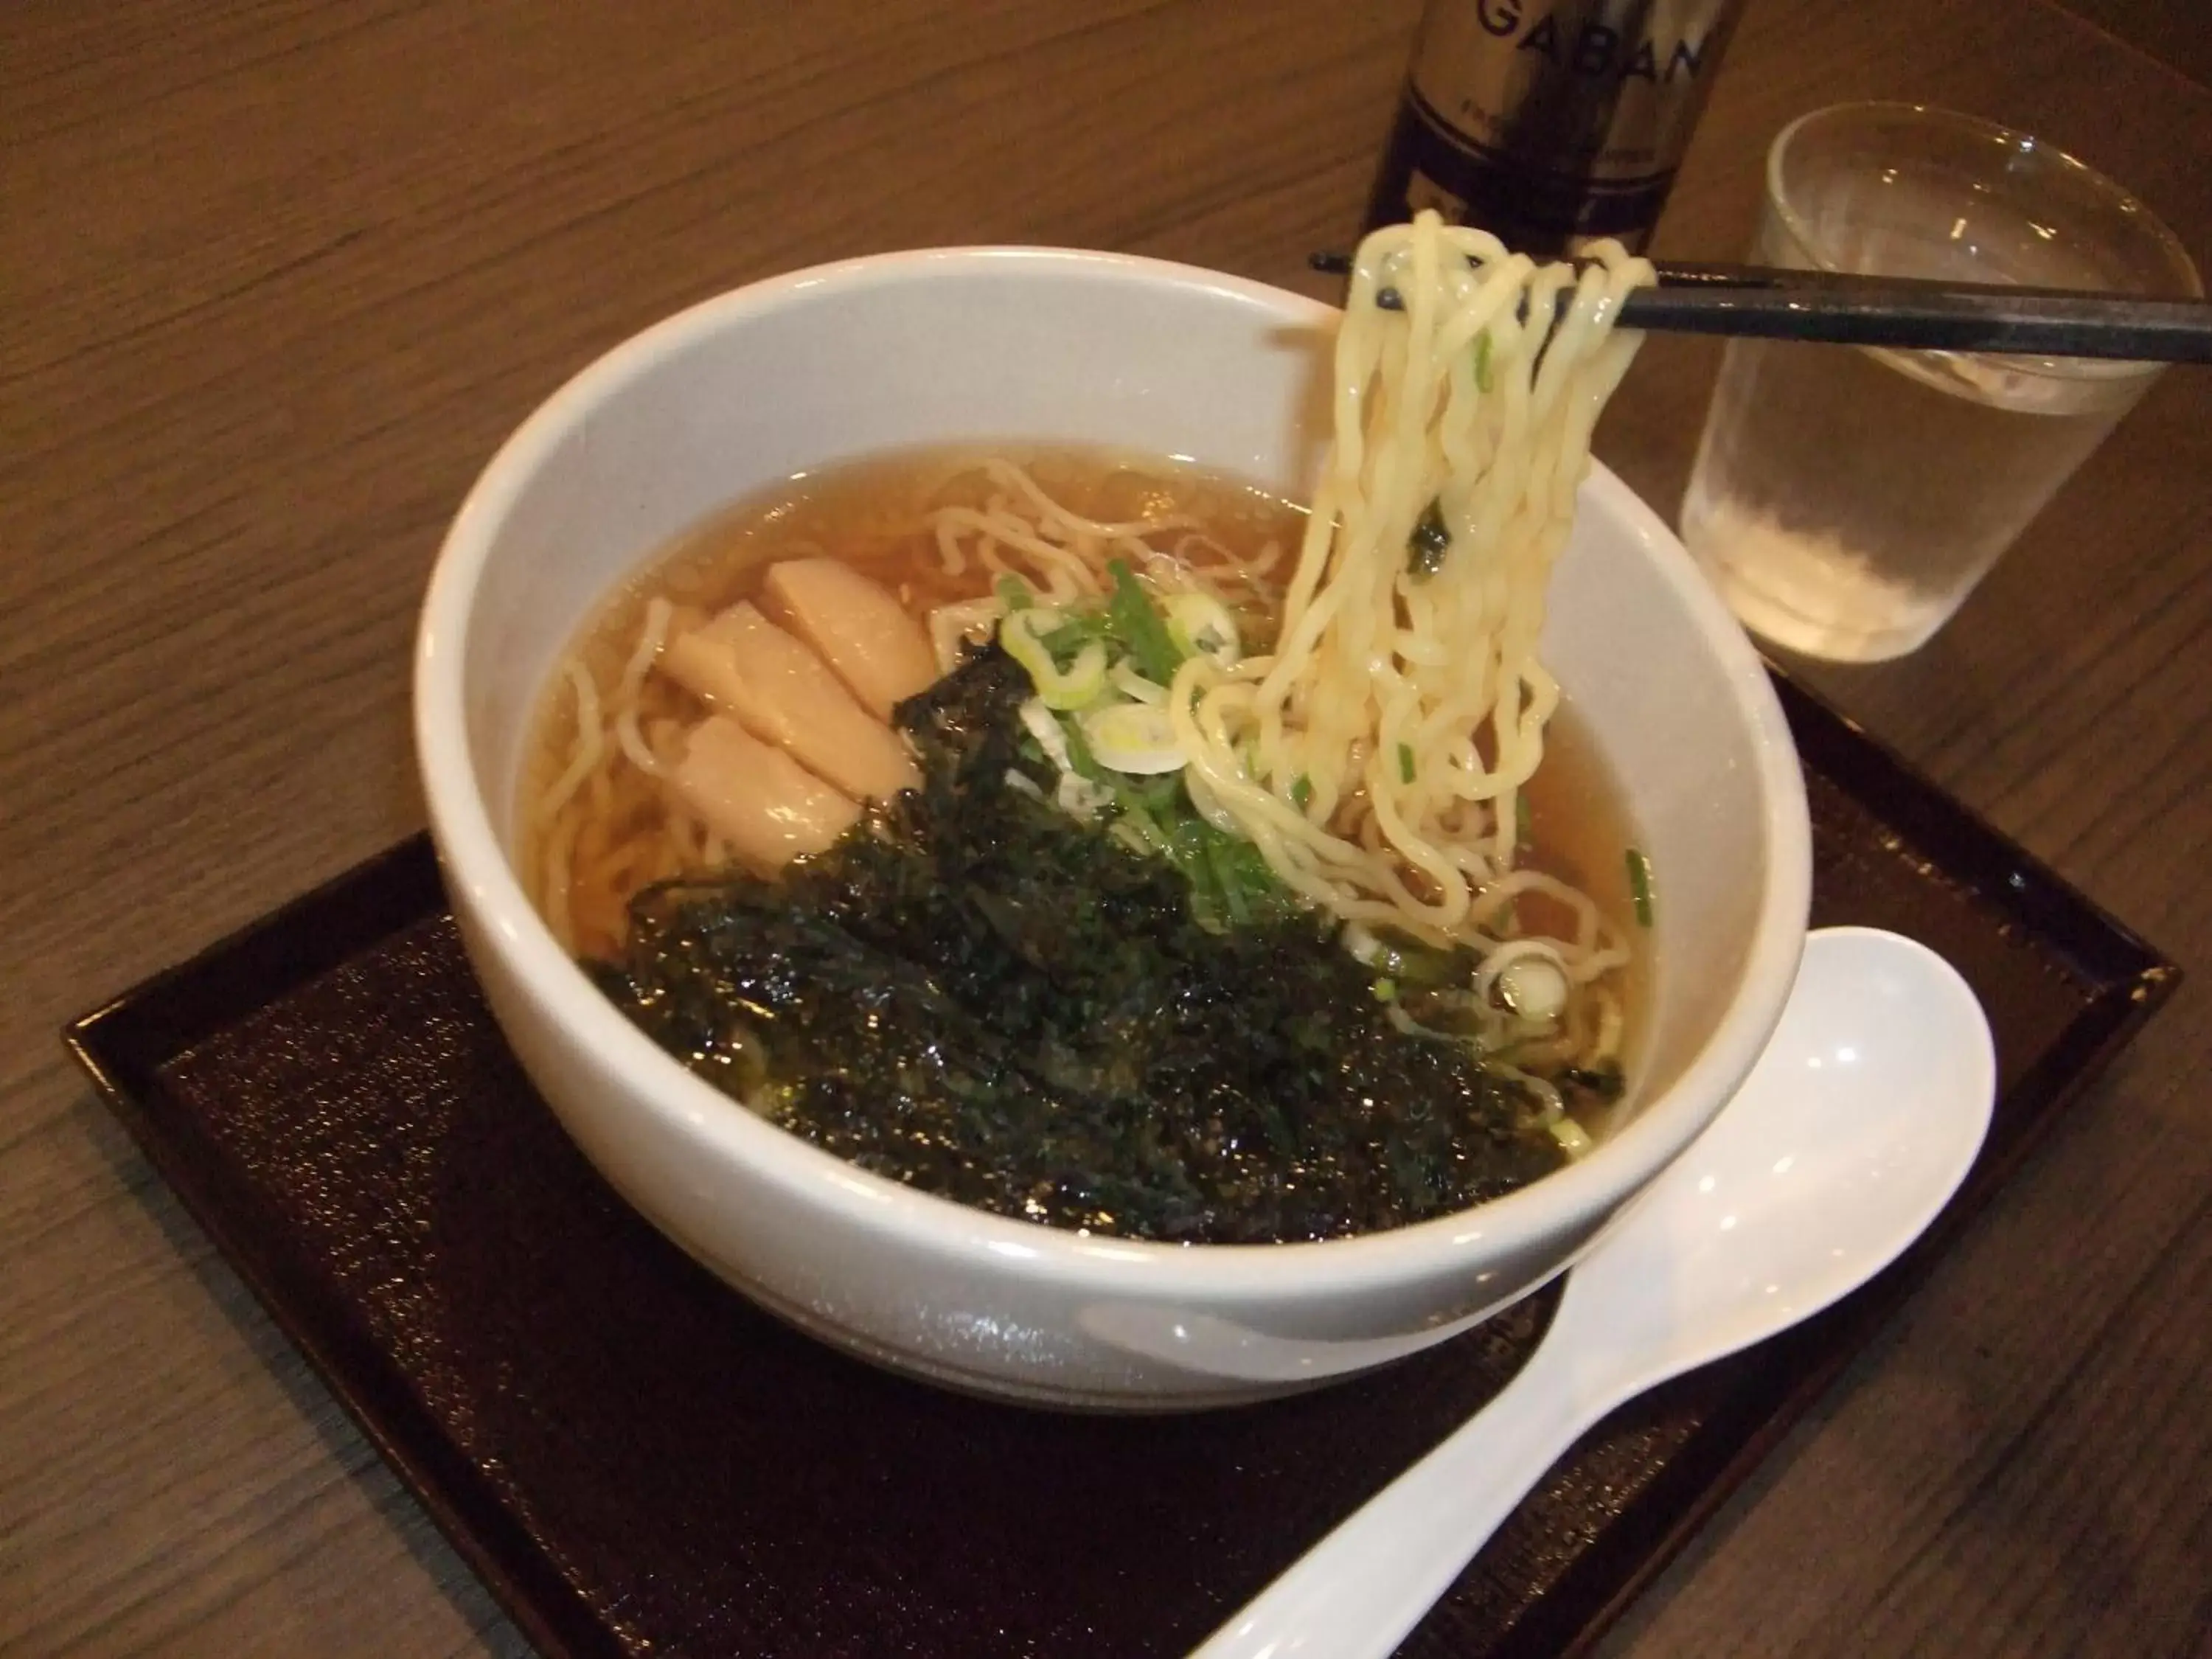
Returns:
(1377,755)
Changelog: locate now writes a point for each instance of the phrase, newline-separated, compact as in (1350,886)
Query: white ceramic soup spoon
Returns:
(1851,1133)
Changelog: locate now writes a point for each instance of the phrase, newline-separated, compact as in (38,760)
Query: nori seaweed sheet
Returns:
(978,995)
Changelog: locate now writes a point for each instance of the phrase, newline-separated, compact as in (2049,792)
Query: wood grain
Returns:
(2174,31)
(279,275)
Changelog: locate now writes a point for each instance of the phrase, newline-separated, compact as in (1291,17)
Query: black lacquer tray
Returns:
(637,1460)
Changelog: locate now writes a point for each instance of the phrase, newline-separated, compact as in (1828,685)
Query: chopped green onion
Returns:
(1080,760)
(1639,886)
(1229,879)
(1133,737)
(1014,592)
(1523,834)
(1483,378)
(1302,793)
(1160,793)
(1067,638)
(1431,540)
(1423,967)
(1386,990)
(1071,687)
(1149,836)
(1134,686)
(1200,626)
(1139,626)
(1405,762)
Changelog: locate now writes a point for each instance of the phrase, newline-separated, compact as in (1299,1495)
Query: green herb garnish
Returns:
(1158,794)
(1013,592)
(1066,641)
(1080,760)
(1302,793)
(1231,884)
(1639,886)
(1138,625)
(1405,762)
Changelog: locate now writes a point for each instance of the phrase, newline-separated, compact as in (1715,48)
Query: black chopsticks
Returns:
(1909,314)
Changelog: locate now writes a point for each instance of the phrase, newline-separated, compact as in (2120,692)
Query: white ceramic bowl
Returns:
(1031,343)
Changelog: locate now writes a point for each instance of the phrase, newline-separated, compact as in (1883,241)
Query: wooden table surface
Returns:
(280,276)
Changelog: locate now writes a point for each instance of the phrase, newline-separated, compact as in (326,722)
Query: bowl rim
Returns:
(481,878)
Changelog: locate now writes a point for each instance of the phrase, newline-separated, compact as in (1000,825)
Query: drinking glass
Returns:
(1846,500)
